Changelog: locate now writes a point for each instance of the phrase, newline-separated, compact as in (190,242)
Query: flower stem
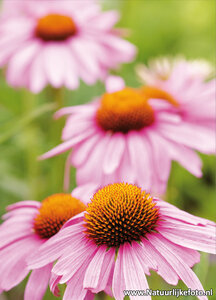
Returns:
(56,126)
(30,146)
(103,296)
(58,97)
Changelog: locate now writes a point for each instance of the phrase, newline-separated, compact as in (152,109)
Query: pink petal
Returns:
(22,204)
(118,284)
(162,161)
(104,21)
(141,159)
(184,272)
(72,260)
(71,80)
(85,108)
(164,268)
(114,84)
(38,283)
(189,256)
(172,211)
(186,157)
(14,233)
(106,271)
(194,237)
(37,75)
(98,271)
(121,50)
(126,172)
(191,135)
(55,246)
(92,168)
(85,192)
(13,264)
(86,60)
(54,280)
(74,289)
(113,154)
(134,275)
(144,257)
(54,64)
(83,150)
(20,62)
(67,172)
(82,125)
(93,271)
(67,145)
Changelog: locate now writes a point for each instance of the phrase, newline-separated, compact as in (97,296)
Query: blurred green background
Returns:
(158,27)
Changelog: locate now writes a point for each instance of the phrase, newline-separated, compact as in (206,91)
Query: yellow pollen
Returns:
(123,111)
(55,27)
(54,212)
(120,213)
(150,92)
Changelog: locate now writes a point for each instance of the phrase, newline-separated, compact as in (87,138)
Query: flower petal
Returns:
(38,283)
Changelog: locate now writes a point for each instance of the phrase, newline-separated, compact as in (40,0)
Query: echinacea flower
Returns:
(123,234)
(27,225)
(160,69)
(59,42)
(185,83)
(126,135)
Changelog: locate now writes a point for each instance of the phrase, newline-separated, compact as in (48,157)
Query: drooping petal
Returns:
(164,267)
(55,246)
(113,154)
(67,145)
(118,283)
(134,275)
(38,283)
(14,270)
(106,275)
(182,269)
(190,236)
(93,271)
(173,212)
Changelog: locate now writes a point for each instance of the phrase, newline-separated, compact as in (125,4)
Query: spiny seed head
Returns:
(54,212)
(123,111)
(120,213)
(55,27)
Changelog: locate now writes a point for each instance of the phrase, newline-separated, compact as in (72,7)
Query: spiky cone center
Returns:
(54,212)
(124,111)
(55,27)
(150,92)
(120,213)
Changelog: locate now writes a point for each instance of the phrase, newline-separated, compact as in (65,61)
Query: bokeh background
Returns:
(156,27)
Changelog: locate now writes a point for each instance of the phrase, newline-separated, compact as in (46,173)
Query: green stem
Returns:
(57,163)
(102,296)
(58,97)
(30,143)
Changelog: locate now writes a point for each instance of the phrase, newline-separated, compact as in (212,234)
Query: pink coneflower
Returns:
(161,69)
(27,225)
(58,42)
(122,235)
(126,135)
(185,83)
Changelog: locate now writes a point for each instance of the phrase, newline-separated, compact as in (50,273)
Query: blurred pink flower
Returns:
(57,42)
(160,69)
(27,225)
(185,82)
(122,136)
(123,234)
